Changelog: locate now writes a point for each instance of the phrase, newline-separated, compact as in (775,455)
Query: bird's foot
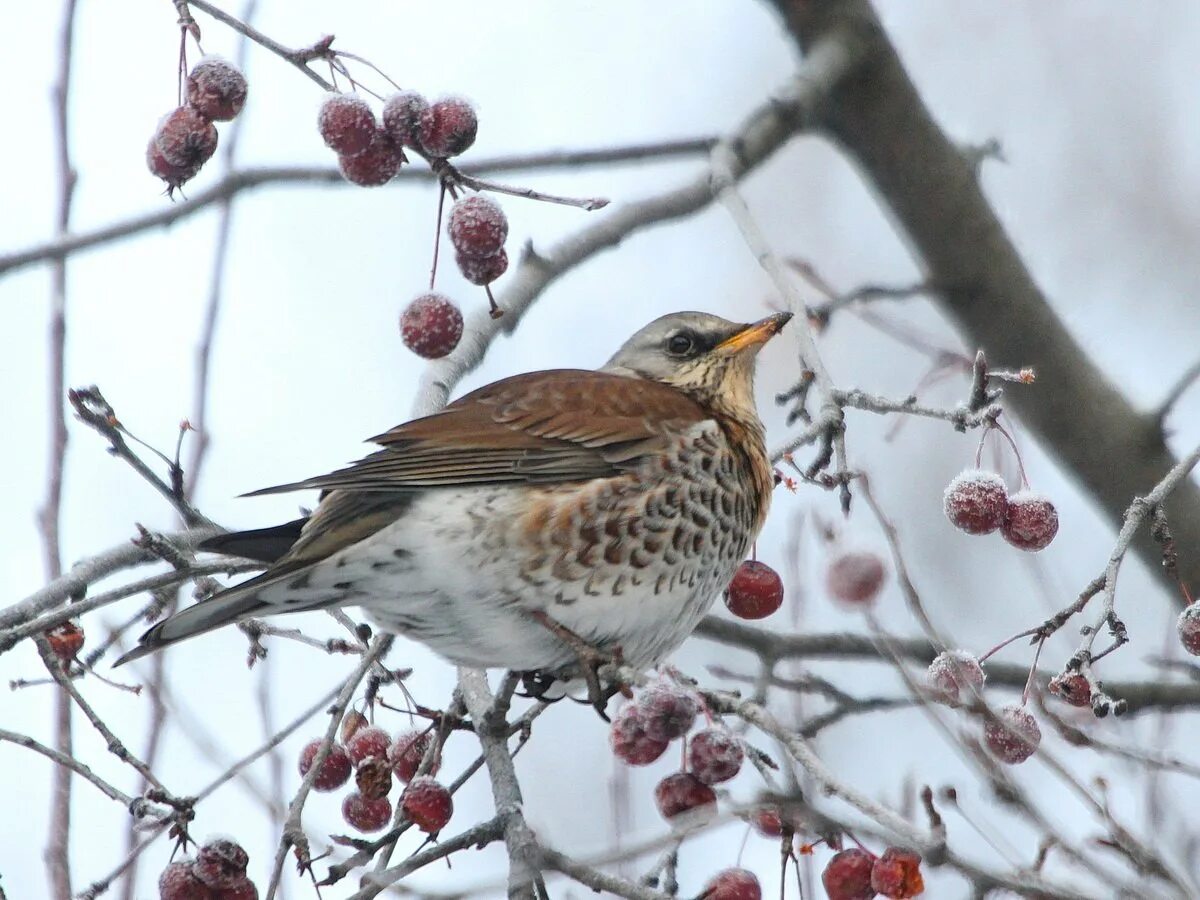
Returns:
(591,660)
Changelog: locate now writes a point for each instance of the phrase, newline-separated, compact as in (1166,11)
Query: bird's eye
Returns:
(680,344)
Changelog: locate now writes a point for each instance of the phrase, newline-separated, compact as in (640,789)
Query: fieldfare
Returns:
(538,516)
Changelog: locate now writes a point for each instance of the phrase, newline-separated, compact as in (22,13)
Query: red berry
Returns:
(482,270)
(447,127)
(242,890)
(372,741)
(955,676)
(366,815)
(1188,626)
(975,501)
(427,803)
(667,712)
(684,793)
(431,325)
(732,884)
(66,640)
(374,166)
(755,592)
(1031,521)
(179,882)
(1072,688)
(855,577)
(897,874)
(185,138)
(406,754)
(1013,735)
(477,226)
(174,176)
(715,755)
(847,875)
(767,821)
(221,863)
(402,117)
(216,88)
(346,123)
(629,740)
(335,771)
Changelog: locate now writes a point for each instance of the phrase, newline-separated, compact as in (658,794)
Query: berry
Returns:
(667,712)
(402,117)
(755,592)
(185,138)
(1072,688)
(482,270)
(1013,735)
(684,793)
(242,890)
(897,874)
(374,166)
(351,723)
(855,577)
(767,821)
(715,755)
(66,640)
(847,875)
(216,89)
(406,754)
(179,882)
(367,742)
(428,804)
(366,815)
(447,127)
(221,863)
(954,676)
(374,777)
(1188,626)
(732,884)
(335,771)
(1031,521)
(431,325)
(629,739)
(174,176)
(976,501)
(346,123)
(477,226)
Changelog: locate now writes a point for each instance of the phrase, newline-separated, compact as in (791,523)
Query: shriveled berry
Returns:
(406,754)
(955,676)
(179,882)
(667,711)
(630,742)
(185,138)
(755,592)
(847,875)
(1013,735)
(686,797)
(1072,688)
(334,772)
(477,226)
(367,742)
(352,723)
(732,884)
(427,803)
(174,176)
(855,577)
(66,640)
(897,874)
(347,124)
(221,863)
(242,890)
(715,755)
(374,166)
(431,325)
(366,815)
(482,270)
(976,501)
(402,117)
(1031,521)
(216,88)
(447,127)
(1188,626)
(374,777)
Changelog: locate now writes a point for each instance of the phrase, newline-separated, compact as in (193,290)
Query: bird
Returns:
(540,523)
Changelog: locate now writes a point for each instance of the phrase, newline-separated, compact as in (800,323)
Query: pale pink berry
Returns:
(855,577)
(630,742)
(216,88)
(715,755)
(1013,735)
(431,325)
(976,501)
(1031,521)
(955,676)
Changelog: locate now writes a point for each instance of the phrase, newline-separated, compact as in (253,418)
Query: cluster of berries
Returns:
(66,640)
(375,758)
(978,502)
(858,874)
(187,138)
(217,873)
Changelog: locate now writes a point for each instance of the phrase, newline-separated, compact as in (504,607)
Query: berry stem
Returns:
(1004,643)
(1032,671)
(437,234)
(494,309)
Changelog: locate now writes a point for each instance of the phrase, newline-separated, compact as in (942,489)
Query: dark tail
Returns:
(264,544)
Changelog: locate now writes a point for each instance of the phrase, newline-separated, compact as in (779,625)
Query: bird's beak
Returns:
(754,336)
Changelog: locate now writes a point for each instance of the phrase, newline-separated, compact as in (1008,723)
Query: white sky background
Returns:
(1094,105)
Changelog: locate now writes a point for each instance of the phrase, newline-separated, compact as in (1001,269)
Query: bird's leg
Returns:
(590,660)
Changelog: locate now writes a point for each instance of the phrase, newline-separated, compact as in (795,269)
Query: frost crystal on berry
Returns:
(216,88)
(366,815)
(428,804)
(755,592)
(406,754)
(954,676)
(185,138)
(431,325)
(847,875)
(976,501)
(477,226)
(732,884)
(1013,735)
(715,755)
(1188,626)
(374,166)
(346,123)
(1031,521)
(482,270)
(667,711)
(334,772)
(855,577)
(684,799)
(897,874)
(1072,688)
(629,739)
(402,117)
(447,127)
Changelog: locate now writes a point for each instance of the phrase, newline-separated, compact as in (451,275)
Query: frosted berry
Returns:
(185,138)
(847,875)
(715,755)
(477,226)
(374,777)
(855,577)
(244,889)
(376,165)
(755,592)
(221,863)
(346,123)
(428,804)
(767,821)
(431,325)
(976,501)
(174,176)
(684,793)
(667,711)
(732,884)
(447,127)
(955,676)
(406,754)
(179,882)
(1188,626)
(334,772)
(366,815)
(482,270)
(897,874)
(368,742)
(1072,688)
(216,88)
(66,640)
(1013,735)
(402,117)
(1031,521)
(630,742)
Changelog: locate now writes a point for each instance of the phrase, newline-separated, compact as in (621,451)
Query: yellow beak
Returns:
(754,336)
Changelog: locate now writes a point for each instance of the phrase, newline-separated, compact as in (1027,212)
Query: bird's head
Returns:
(706,357)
